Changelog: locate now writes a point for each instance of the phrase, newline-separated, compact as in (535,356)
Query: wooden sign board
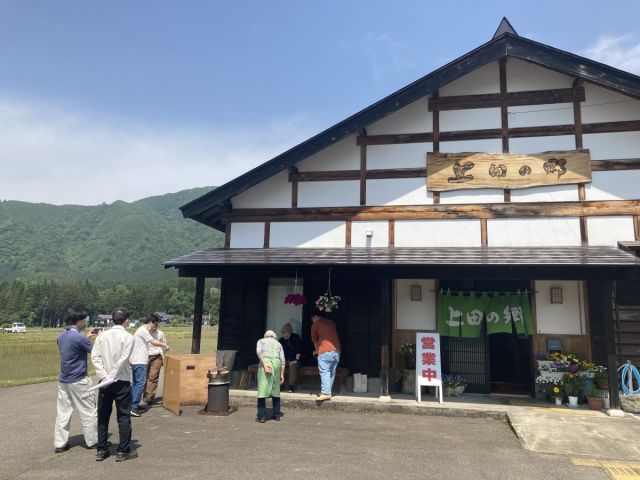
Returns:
(456,171)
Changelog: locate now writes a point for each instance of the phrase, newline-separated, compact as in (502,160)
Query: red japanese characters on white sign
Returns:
(428,357)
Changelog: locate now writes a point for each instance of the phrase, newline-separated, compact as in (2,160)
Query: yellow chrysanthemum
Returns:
(556,390)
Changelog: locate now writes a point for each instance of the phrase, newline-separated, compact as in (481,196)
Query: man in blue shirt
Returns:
(74,383)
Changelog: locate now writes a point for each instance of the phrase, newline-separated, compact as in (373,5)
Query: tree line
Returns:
(44,303)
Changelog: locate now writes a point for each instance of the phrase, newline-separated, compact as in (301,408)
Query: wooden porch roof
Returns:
(442,262)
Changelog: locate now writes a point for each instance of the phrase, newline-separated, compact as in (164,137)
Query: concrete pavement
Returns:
(309,444)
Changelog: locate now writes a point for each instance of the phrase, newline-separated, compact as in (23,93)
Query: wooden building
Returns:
(445,185)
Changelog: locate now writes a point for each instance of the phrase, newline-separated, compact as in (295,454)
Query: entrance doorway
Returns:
(498,363)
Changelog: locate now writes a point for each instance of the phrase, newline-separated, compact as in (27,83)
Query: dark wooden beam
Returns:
(615,164)
(442,211)
(363,174)
(577,112)
(392,233)
(197,316)
(494,133)
(267,234)
(607,291)
(436,139)
(504,110)
(294,178)
(513,99)
(484,239)
(227,233)
(584,231)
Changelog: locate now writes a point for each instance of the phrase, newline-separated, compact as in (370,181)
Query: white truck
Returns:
(16,327)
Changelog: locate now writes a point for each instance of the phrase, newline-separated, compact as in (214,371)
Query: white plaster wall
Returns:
(404,155)
(481,195)
(451,120)
(566,318)
(523,76)
(328,194)
(275,192)
(614,185)
(398,191)
(542,144)
(610,230)
(344,155)
(602,105)
(414,118)
(521,232)
(605,146)
(380,236)
(308,234)
(437,233)
(485,79)
(414,315)
(538,115)
(247,235)
(556,193)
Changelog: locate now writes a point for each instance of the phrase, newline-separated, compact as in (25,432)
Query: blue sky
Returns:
(126,99)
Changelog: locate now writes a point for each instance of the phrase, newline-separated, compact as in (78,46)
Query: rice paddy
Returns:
(33,357)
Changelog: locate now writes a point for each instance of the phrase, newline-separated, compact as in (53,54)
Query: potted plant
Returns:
(573,385)
(595,402)
(557,394)
(395,379)
(408,352)
(453,385)
(601,377)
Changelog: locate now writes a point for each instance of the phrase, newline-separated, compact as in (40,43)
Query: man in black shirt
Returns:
(292,347)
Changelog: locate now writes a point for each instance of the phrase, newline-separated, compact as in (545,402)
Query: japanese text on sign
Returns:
(428,356)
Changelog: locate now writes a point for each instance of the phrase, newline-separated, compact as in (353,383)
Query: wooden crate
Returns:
(185,380)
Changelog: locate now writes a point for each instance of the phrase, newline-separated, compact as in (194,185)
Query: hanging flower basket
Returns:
(295,299)
(327,302)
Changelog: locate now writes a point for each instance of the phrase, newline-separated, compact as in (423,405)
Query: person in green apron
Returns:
(270,374)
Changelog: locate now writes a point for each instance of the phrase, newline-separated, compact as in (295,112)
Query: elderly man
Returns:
(292,346)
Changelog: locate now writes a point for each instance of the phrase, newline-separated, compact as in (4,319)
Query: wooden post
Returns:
(504,115)
(436,139)
(363,174)
(227,235)
(347,240)
(387,325)
(267,234)
(197,316)
(607,292)
(392,233)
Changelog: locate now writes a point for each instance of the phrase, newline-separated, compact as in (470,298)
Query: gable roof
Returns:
(207,208)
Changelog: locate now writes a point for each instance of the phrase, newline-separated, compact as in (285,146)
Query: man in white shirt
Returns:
(154,365)
(110,358)
(139,360)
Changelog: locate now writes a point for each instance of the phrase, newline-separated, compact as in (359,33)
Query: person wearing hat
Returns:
(270,374)
(292,346)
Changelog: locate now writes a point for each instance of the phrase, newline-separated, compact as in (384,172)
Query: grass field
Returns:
(33,357)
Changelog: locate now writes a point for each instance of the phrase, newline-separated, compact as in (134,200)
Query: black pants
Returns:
(120,392)
(262,407)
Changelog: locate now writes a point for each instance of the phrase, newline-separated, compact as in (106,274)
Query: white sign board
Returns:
(428,358)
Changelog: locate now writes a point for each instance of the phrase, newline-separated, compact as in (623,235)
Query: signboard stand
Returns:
(428,366)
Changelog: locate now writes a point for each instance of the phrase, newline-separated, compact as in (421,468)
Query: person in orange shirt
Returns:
(324,336)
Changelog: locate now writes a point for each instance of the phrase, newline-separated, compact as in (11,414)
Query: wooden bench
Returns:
(341,373)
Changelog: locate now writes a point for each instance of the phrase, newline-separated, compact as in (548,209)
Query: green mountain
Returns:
(124,242)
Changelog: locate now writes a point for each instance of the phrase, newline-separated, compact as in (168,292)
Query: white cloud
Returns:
(621,51)
(49,154)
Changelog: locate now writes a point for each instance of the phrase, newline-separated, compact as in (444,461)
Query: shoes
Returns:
(102,454)
(62,449)
(261,420)
(122,456)
(276,418)
(142,408)
(135,413)
(292,389)
(322,397)
(93,447)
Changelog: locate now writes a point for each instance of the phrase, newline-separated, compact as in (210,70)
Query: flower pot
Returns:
(410,363)
(595,403)
(449,391)
(558,401)
(603,385)
(573,402)
(459,390)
